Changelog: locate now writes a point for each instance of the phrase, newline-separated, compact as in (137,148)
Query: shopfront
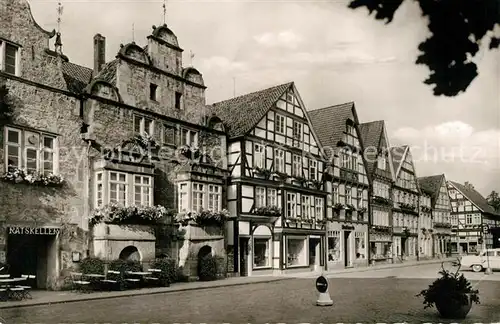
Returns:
(32,250)
(347,245)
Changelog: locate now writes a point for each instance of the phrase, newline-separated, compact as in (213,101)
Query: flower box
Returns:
(132,215)
(16,175)
(205,218)
(268,211)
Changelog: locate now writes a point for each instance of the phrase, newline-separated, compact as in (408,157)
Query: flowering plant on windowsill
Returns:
(362,210)
(338,206)
(190,152)
(267,211)
(17,175)
(205,218)
(350,207)
(145,141)
(262,172)
(114,213)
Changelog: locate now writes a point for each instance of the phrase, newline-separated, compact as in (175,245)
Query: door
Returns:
(314,253)
(347,249)
(403,247)
(243,256)
(22,254)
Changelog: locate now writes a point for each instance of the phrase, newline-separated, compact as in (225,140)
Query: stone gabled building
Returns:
(470,211)
(380,170)
(405,212)
(340,136)
(276,185)
(132,132)
(441,208)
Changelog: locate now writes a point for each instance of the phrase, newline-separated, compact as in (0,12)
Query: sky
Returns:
(332,53)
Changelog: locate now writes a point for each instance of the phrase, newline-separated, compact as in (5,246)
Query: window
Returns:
(297,166)
(313,169)
(214,198)
(360,199)
(477,219)
(143,125)
(279,124)
(260,197)
(152,91)
(333,246)
(348,196)
(335,194)
(168,135)
(118,188)
(272,197)
(279,160)
(359,242)
(189,137)
(350,130)
(198,197)
(99,189)
(381,163)
(306,206)
(318,202)
(259,156)
(291,205)
(297,133)
(468,219)
(296,252)
(183,197)
(33,151)
(8,58)
(261,252)
(142,191)
(178,99)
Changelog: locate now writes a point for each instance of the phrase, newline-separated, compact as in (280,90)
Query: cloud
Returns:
(221,64)
(286,39)
(452,145)
(334,57)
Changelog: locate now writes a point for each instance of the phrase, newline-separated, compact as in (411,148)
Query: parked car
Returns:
(479,262)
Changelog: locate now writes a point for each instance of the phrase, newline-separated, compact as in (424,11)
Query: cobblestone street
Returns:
(376,299)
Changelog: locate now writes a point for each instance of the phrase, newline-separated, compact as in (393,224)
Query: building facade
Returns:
(276,185)
(380,171)
(425,239)
(406,195)
(470,212)
(132,135)
(347,230)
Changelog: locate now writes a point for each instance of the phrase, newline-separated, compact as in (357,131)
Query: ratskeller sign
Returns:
(34,230)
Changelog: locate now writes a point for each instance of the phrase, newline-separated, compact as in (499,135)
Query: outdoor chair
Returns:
(15,293)
(78,282)
(27,288)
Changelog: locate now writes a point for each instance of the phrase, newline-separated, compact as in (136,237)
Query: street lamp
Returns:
(486,230)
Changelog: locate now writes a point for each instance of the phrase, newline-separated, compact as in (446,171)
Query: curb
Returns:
(133,293)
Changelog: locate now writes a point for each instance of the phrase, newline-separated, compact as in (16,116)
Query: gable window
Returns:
(291,205)
(260,197)
(318,202)
(34,151)
(183,197)
(279,160)
(214,198)
(259,156)
(142,191)
(350,130)
(189,137)
(297,133)
(178,100)
(297,166)
(198,196)
(168,135)
(313,169)
(272,197)
(348,196)
(9,58)
(279,124)
(118,188)
(152,91)
(143,125)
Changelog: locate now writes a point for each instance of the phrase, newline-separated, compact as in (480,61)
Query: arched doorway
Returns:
(204,251)
(130,253)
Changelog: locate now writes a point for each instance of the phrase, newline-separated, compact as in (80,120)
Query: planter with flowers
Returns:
(205,218)
(267,211)
(16,175)
(190,152)
(145,141)
(263,172)
(452,294)
(114,213)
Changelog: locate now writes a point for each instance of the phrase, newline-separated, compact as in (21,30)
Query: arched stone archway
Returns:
(203,252)
(130,253)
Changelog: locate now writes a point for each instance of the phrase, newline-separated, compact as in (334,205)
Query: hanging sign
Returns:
(34,230)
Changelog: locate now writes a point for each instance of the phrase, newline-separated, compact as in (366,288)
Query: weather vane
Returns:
(59,14)
(133,32)
(191,56)
(164,11)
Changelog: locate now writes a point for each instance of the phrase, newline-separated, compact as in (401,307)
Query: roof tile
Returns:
(76,76)
(476,198)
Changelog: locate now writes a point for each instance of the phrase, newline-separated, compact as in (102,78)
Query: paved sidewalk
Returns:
(56,297)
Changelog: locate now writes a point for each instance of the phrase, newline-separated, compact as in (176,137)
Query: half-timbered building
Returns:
(339,135)
(380,171)
(425,238)
(406,195)
(276,183)
(470,211)
(441,208)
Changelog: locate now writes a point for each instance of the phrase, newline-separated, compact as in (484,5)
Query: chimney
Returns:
(468,185)
(99,52)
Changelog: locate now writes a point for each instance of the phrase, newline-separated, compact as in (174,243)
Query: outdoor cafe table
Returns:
(9,280)
(138,273)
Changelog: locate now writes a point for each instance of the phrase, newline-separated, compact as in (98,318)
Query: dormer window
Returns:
(152,91)
(9,58)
